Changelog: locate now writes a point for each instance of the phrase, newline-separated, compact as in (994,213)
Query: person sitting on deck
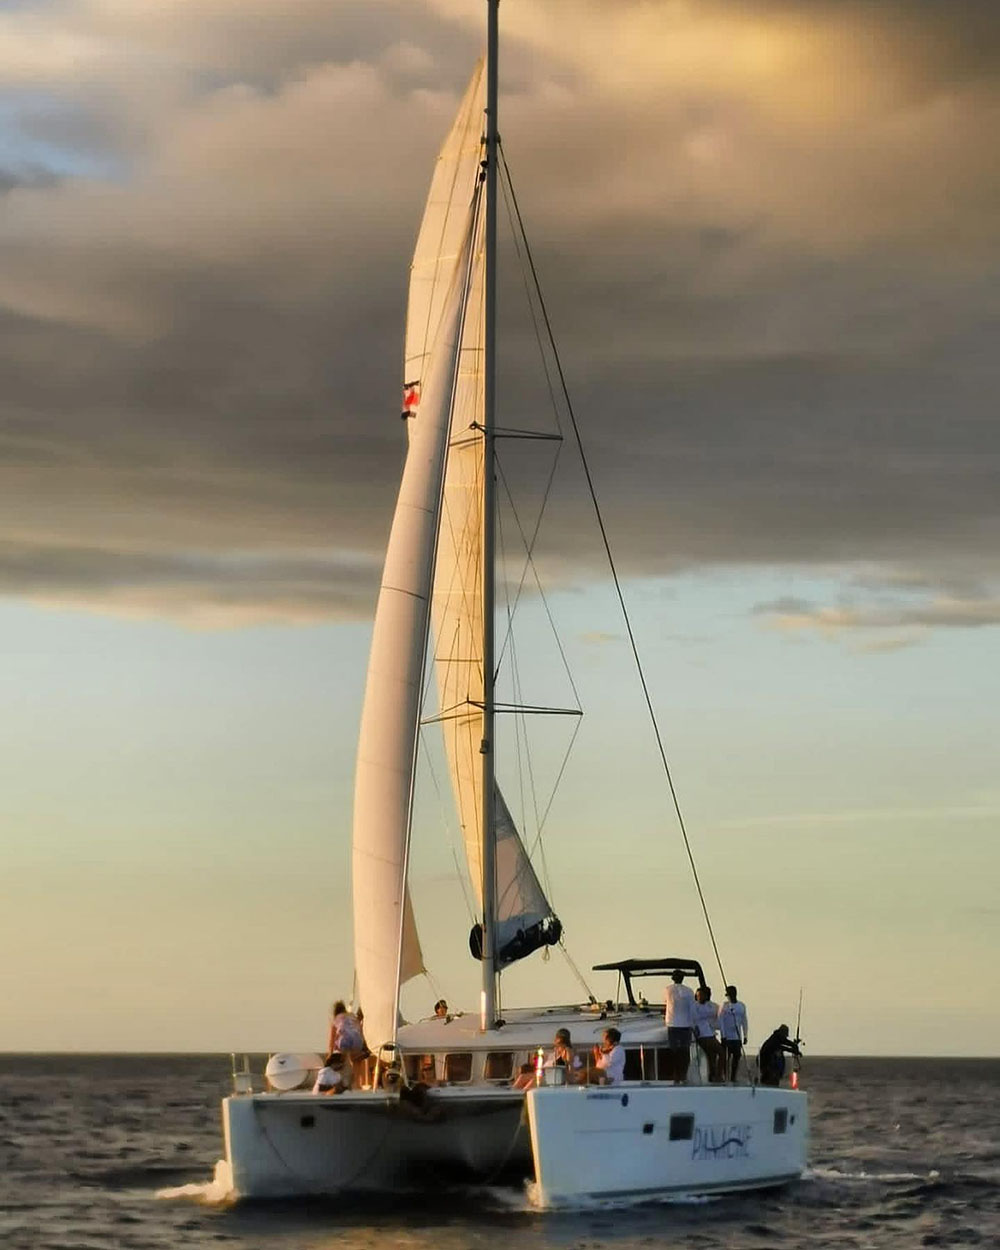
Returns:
(525,1077)
(563,1055)
(335,1075)
(609,1060)
(441,1009)
(772,1055)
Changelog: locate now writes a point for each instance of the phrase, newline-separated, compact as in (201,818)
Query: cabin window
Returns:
(780,1119)
(499,1065)
(633,1065)
(458,1067)
(663,1070)
(420,1068)
(681,1127)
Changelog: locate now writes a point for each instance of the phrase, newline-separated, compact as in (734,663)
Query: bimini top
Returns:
(629,968)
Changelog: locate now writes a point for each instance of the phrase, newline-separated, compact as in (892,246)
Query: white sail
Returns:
(458,606)
(389,720)
(443,232)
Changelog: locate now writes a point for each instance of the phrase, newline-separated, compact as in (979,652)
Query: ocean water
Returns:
(118,1152)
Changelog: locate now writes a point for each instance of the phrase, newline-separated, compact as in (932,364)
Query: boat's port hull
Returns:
(650,1141)
(287,1145)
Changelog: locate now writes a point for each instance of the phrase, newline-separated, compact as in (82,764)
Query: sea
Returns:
(117,1152)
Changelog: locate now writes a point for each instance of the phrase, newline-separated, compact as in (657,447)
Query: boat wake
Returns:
(530,1201)
(216,1192)
(838,1174)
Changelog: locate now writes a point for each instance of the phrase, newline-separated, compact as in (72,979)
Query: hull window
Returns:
(681,1127)
(499,1065)
(458,1068)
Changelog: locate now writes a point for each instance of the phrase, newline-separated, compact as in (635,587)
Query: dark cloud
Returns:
(767,236)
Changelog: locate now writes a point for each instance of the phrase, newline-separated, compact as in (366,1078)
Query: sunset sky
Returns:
(768,236)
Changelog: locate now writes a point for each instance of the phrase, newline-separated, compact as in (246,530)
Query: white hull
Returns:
(616,1143)
(289,1145)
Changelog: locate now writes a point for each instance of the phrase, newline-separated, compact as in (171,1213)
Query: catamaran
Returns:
(442,1102)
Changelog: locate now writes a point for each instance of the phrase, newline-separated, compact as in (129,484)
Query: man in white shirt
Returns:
(610,1058)
(679,1017)
(706,1015)
(735,1030)
(332,1078)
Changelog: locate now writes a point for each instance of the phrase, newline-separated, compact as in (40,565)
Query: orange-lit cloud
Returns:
(767,234)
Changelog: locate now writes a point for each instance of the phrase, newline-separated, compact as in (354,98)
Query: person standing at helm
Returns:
(679,1017)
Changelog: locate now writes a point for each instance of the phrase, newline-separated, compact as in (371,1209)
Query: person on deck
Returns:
(706,1014)
(345,1031)
(772,1055)
(525,1078)
(563,1055)
(679,1017)
(609,1059)
(334,1076)
(735,1031)
(441,1009)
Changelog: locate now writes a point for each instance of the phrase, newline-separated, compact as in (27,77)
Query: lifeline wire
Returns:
(611,564)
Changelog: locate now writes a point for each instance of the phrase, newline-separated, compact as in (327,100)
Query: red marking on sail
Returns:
(411,398)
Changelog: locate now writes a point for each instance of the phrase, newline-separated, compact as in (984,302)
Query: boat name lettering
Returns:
(721,1141)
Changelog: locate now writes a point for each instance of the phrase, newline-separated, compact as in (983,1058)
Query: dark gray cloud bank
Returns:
(767,234)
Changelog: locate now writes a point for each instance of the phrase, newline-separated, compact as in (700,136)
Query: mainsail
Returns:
(524,918)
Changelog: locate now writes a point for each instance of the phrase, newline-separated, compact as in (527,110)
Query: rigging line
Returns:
(523,750)
(539,822)
(614,574)
(576,971)
(530,563)
(449,830)
(529,545)
(507,190)
(518,718)
(559,776)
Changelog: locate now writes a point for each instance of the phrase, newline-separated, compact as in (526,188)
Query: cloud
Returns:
(766,233)
(906,620)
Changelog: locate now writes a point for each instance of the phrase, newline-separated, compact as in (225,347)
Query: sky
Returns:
(767,235)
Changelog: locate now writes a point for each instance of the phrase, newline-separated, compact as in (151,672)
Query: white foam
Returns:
(585,1203)
(835,1174)
(218,1190)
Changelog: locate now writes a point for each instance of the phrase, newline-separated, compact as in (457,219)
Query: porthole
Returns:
(681,1127)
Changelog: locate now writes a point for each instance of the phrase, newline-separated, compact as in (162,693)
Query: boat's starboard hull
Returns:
(652,1141)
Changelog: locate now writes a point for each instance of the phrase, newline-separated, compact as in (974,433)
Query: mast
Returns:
(489,970)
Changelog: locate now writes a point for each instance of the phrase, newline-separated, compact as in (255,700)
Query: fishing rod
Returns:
(798,1020)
